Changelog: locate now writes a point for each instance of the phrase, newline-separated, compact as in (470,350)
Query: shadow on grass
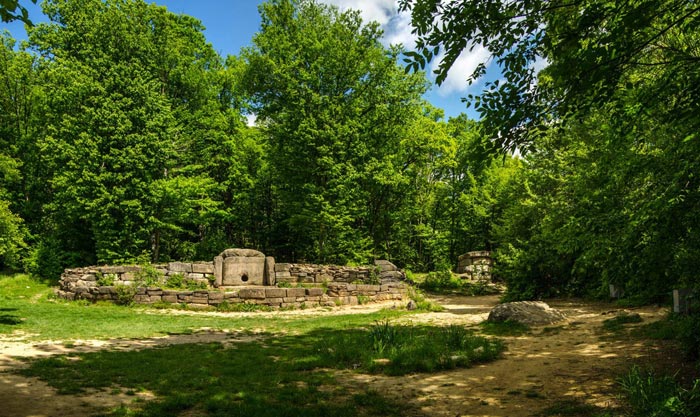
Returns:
(279,376)
(9,319)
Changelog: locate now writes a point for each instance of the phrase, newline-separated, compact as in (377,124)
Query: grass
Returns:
(681,328)
(280,378)
(398,349)
(28,306)
(445,282)
(618,322)
(290,372)
(651,394)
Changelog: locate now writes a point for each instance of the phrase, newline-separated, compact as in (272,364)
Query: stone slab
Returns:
(252,293)
(238,270)
(203,268)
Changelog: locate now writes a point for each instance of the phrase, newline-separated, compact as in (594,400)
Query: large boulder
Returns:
(526,312)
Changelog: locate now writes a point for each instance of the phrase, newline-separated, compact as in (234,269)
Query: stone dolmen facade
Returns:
(236,276)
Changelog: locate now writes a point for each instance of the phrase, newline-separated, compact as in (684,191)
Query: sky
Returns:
(231,24)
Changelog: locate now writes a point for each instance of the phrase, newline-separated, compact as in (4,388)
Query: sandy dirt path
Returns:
(570,361)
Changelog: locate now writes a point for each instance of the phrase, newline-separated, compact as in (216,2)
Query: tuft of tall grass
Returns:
(399,349)
(652,395)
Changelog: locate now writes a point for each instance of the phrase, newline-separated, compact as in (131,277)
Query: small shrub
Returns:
(423,303)
(105,280)
(399,349)
(125,294)
(375,276)
(649,394)
(362,299)
(193,285)
(685,329)
(148,276)
(176,281)
(383,336)
(284,284)
(440,281)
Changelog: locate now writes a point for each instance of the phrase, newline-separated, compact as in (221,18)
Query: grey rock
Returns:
(526,312)
(412,306)
(244,253)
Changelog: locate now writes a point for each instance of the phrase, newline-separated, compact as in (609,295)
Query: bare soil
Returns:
(572,362)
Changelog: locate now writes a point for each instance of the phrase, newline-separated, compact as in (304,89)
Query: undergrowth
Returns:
(445,282)
(651,395)
(400,349)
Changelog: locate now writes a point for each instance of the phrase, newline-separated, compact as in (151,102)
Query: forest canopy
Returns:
(123,139)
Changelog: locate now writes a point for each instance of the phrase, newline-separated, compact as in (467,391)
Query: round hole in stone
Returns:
(244,277)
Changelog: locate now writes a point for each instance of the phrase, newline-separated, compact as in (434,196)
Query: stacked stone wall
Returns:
(297,285)
(475,265)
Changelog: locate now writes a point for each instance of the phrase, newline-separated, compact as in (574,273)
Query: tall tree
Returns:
(334,103)
(588,48)
(133,101)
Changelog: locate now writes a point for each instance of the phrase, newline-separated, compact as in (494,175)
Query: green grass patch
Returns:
(399,349)
(650,394)
(618,322)
(281,376)
(28,306)
(682,328)
(503,328)
(445,282)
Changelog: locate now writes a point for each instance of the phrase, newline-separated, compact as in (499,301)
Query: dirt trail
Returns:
(572,362)
(569,361)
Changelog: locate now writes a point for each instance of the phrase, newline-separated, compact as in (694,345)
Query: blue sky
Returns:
(230,25)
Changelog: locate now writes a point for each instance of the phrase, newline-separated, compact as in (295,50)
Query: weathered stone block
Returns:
(296,292)
(252,293)
(230,295)
(385,266)
(321,277)
(314,292)
(242,253)
(215,295)
(200,300)
(269,275)
(239,270)
(203,268)
(276,300)
(275,292)
(195,275)
(179,267)
(218,271)
(107,290)
(170,298)
(368,288)
(282,267)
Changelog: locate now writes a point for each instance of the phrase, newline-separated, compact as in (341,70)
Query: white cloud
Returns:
(462,68)
(397,30)
(379,11)
(251,119)
(396,26)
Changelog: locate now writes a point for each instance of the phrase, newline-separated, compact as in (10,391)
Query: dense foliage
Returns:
(608,193)
(123,139)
